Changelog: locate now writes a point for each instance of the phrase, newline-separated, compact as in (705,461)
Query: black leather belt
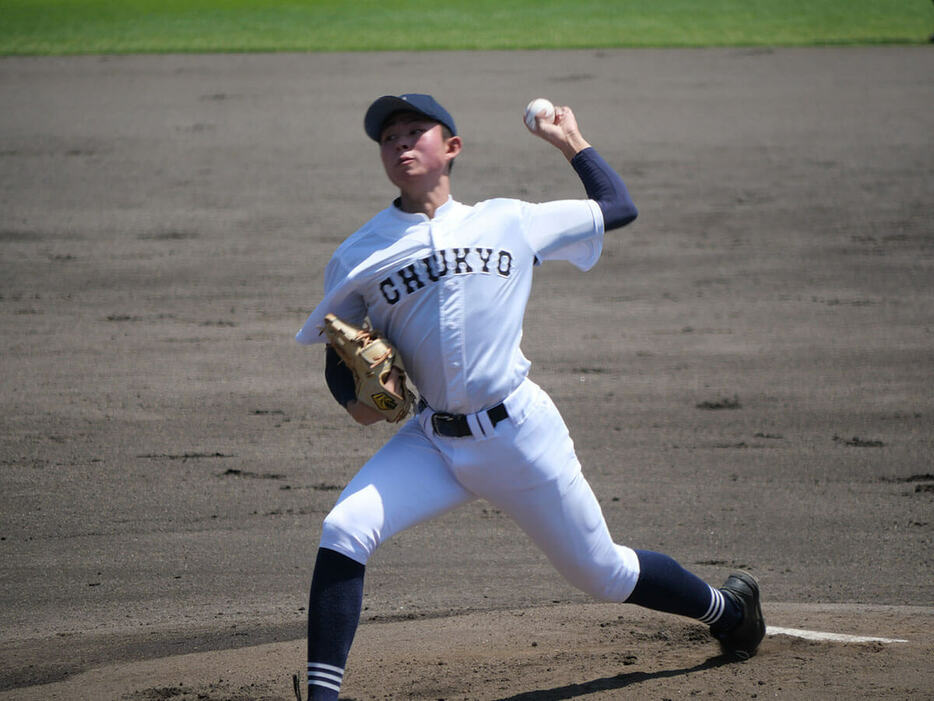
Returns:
(456,426)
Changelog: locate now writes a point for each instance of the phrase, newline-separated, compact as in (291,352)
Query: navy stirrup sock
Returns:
(664,585)
(333,614)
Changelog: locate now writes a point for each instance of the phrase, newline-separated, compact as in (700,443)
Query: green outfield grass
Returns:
(33,27)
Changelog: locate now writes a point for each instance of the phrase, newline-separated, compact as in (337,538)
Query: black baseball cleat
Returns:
(741,641)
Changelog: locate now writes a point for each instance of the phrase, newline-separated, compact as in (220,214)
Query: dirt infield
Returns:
(748,373)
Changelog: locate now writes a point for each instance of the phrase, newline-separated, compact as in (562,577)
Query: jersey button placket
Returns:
(451,321)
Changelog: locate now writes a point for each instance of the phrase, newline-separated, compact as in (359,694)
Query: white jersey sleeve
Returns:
(570,230)
(340,298)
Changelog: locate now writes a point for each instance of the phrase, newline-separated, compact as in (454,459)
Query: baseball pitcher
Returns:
(442,287)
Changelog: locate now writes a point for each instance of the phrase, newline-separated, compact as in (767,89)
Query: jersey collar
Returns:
(441,212)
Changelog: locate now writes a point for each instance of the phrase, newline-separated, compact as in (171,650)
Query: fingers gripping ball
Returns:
(541,108)
(377,368)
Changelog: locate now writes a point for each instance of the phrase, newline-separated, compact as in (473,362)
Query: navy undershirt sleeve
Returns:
(606,188)
(339,378)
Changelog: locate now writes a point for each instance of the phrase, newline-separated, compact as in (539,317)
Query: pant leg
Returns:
(405,483)
(529,470)
(567,524)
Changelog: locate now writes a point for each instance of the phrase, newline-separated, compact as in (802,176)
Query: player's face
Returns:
(413,149)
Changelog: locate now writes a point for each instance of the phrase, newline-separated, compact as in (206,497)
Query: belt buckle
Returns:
(439,419)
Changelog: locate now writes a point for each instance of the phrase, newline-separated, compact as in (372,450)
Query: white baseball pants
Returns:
(525,466)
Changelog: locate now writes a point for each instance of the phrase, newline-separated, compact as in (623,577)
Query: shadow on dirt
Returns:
(619,681)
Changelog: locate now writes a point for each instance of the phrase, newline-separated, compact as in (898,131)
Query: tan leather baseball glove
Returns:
(376,366)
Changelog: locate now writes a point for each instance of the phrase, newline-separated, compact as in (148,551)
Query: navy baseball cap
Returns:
(387,105)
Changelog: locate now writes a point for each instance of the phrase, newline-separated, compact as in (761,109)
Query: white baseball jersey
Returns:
(450,292)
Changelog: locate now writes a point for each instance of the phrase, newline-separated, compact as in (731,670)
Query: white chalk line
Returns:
(831,637)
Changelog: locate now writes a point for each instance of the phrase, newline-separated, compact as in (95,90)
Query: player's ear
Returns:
(453,146)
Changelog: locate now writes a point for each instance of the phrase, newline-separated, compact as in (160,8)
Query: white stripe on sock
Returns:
(328,667)
(315,682)
(715,610)
(712,606)
(320,674)
(324,675)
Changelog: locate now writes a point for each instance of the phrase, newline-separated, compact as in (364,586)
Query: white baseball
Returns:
(535,107)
